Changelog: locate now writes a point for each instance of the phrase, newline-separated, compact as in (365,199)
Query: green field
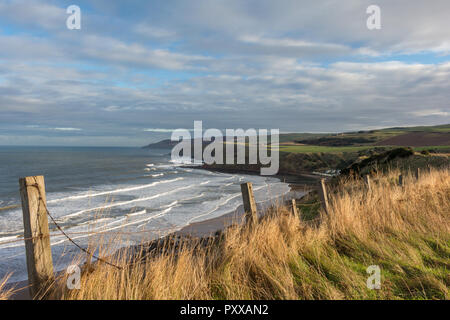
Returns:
(372,136)
(354,141)
(325,149)
(437,148)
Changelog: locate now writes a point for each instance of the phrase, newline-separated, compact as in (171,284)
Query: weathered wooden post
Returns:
(37,236)
(367,182)
(249,202)
(401,181)
(417,174)
(294,207)
(323,195)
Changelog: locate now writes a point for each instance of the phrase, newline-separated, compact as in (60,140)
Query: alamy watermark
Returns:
(257,149)
(73,280)
(374,280)
(374,20)
(74,20)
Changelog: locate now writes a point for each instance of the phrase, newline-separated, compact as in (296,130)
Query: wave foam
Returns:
(114,191)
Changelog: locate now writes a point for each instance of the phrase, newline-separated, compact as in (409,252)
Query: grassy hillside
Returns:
(369,159)
(405,231)
(301,152)
(323,149)
(404,159)
(363,140)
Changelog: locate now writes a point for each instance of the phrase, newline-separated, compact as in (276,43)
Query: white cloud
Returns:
(67,129)
(432,112)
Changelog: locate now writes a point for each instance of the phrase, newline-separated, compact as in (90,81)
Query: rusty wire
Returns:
(65,234)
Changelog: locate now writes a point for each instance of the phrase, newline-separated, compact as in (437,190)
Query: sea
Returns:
(105,197)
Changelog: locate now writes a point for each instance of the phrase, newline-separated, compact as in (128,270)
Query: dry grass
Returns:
(405,231)
(5,293)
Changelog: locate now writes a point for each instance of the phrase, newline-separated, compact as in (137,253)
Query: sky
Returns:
(138,69)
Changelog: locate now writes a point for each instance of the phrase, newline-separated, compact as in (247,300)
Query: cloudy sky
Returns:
(137,69)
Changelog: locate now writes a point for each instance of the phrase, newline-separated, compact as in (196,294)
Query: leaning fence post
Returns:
(323,195)
(36,233)
(249,202)
(294,207)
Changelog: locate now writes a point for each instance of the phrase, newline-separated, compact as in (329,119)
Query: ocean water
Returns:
(121,196)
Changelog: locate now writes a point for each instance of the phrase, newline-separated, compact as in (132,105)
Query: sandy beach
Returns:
(210,226)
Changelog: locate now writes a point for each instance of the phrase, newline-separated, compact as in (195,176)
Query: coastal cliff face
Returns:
(359,163)
(294,163)
(290,163)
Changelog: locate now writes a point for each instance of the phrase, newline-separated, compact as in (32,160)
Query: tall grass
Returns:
(403,230)
(5,294)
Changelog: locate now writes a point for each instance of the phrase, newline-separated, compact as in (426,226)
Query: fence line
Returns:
(37,235)
(21,237)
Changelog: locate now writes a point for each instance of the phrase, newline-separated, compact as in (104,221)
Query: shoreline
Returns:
(293,179)
(298,185)
(210,226)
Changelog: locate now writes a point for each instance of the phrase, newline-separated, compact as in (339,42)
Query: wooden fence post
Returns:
(323,195)
(400,180)
(294,207)
(36,232)
(249,202)
(417,173)
(367,181)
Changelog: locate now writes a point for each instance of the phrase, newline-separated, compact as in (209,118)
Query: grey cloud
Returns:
(328,97)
